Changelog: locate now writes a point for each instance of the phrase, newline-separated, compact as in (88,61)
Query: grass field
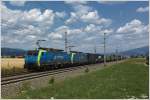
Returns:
(125,80)
(12,65)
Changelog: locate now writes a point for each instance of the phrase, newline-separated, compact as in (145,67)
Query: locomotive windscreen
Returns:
(35,53)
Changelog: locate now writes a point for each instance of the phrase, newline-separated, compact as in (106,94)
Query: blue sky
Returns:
(126,24)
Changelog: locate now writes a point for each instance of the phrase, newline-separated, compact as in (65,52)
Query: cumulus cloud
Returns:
(142,9)
(73,18)
(62,28)
(60,31)
(79,36)
(86,14)
(27,26)
(107,31)
(135,27)
(17,3)
(133,34)
(92,28)
(75,36)
(61,14)
(93,17)
(55,36)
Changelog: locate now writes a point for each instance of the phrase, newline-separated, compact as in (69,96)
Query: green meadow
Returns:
(129,79)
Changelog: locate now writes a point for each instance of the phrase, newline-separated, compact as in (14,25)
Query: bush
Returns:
(87,70)
(52,80)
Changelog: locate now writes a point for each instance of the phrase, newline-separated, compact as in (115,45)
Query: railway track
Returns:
(18,78)
(15,74)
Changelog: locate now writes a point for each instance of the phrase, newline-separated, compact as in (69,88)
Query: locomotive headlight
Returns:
(99,57)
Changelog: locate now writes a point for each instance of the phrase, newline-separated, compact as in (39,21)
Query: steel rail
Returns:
(14,79)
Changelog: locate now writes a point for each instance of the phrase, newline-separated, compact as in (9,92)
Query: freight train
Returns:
(49,58)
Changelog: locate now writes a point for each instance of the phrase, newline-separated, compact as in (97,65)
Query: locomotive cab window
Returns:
(33,53)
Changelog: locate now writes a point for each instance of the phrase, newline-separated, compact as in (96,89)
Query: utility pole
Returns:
(66,41)
(104,49)
(95,49)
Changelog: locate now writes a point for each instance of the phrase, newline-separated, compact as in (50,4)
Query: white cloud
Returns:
(79,10)
(73,18)
(61,14)
(62,29)
(135,27)
(74,31)
(142,9)
(93,17)
(107,31)
(55,35)
(133,34)
(86,14)
(36,16)
(17,3)
(90,16)
(79,36)
(30,37)
(27,26)
(92,28)
(89,27)
(27,17)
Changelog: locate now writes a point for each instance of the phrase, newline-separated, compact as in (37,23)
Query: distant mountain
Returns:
(21,52)
(12,52)
(137,51)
